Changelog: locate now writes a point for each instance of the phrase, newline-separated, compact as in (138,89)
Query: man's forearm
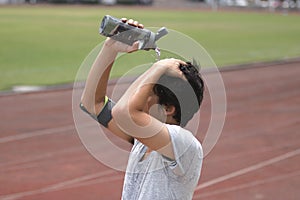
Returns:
(145,88)
(131,114)
(136,96)
(95,89)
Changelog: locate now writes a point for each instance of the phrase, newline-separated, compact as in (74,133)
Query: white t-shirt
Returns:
(159,178)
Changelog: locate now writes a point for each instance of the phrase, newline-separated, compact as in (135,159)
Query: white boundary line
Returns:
(39,133)
(248,185)
(36,133)
(56,186)
(248,169)
(35,158)
(96,181)
(86,180)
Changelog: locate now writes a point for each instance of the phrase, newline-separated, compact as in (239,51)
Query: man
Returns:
(165,160)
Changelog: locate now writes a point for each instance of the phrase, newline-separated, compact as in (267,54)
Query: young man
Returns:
(165,160)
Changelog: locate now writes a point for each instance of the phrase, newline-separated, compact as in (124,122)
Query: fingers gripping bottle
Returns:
(125,33)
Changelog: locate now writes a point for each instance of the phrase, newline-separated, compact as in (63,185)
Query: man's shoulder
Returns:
(183,138)
(181,133)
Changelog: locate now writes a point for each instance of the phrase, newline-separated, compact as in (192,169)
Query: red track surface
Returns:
(256,157)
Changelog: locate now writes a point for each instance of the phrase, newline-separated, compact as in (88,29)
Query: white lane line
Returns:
(248,169)
(255,151)
(56,186)
(47,155)
(40,133)
(248,185)
(36,133)
(97,181)
(35,165)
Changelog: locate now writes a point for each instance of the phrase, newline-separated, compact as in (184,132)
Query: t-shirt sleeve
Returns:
(187,150)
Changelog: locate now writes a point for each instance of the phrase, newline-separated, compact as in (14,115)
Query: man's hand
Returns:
(121,47)
(171,67)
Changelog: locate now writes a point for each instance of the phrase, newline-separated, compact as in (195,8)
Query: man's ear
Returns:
(169,110)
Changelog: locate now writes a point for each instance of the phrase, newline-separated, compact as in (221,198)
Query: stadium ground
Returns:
(256,157)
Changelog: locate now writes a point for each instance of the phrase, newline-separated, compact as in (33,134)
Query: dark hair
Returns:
(185,96)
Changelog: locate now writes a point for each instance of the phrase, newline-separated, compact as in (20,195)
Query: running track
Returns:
(256,157)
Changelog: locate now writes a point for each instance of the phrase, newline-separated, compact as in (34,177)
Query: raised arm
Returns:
(95,88)
(94,94)
(96,84)
(131,116)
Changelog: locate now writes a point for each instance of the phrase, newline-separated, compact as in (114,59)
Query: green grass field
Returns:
(42,45)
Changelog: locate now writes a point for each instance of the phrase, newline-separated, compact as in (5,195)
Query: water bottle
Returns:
(125,33)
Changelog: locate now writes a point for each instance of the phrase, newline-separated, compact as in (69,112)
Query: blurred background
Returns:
(43,43)
(294,4)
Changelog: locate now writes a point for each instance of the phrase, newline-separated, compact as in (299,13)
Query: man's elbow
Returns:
(87,105)
(118,111)
(125,120)
(121,112)
(126,115)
